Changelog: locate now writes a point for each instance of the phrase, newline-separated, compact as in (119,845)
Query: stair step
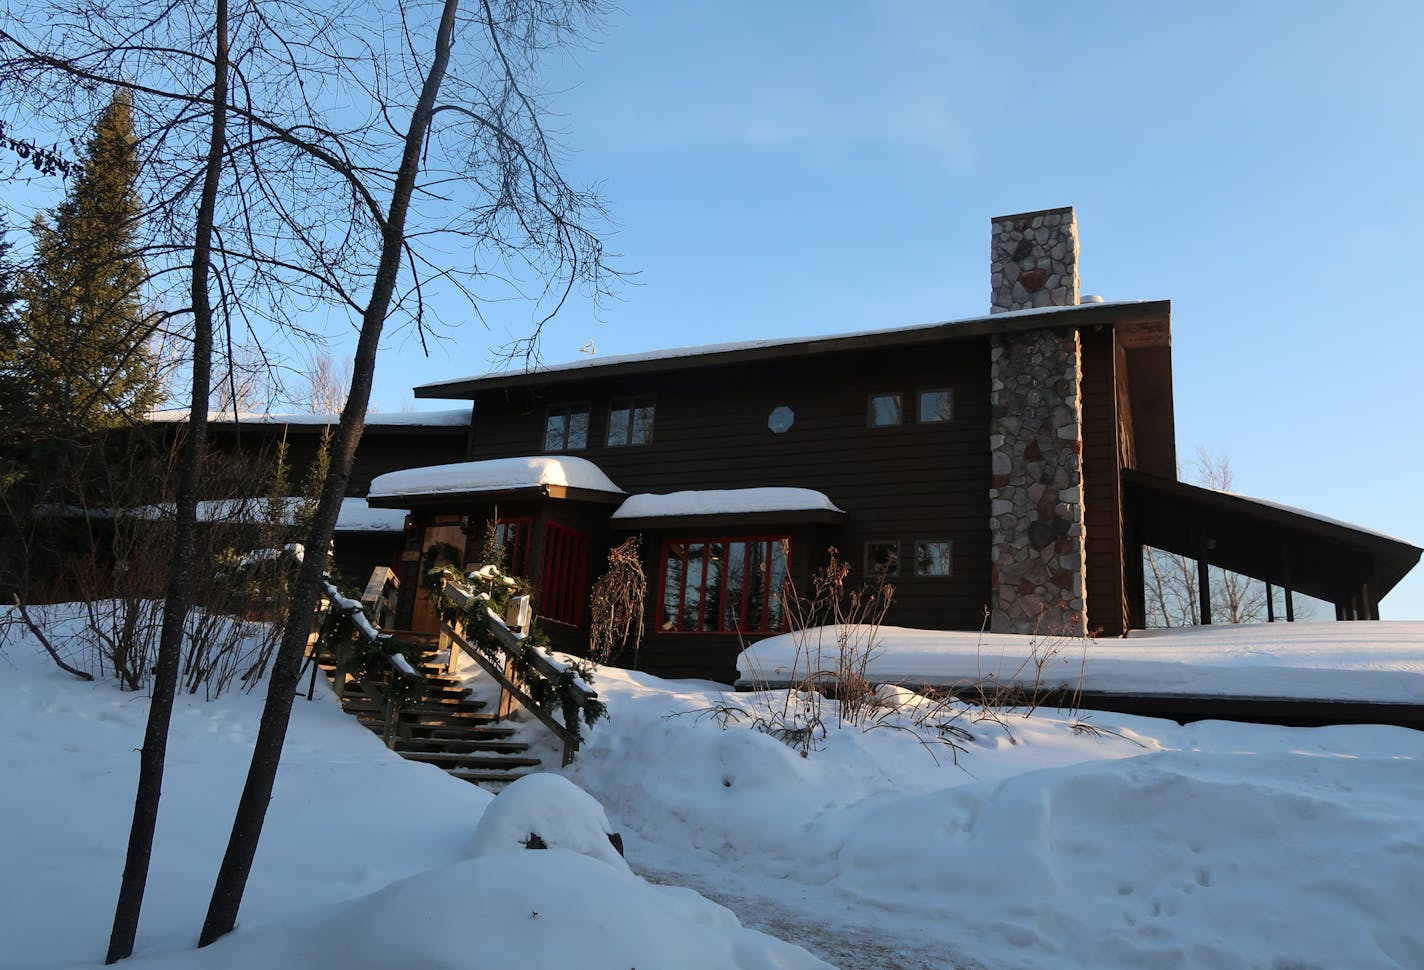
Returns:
(488,762)
(480,775)
(458,745)
(416,718)
(438,706)
(473,732)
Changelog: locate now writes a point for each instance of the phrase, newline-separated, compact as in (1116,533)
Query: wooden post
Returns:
(343,666)
(1290,605)
(1270,604)
(390,716)
(452,658)
(1204,590)
(506,699)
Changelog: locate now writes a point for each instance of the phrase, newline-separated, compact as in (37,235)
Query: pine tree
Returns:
(83,357)
(10,394)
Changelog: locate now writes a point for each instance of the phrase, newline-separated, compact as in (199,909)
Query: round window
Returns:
(781,419)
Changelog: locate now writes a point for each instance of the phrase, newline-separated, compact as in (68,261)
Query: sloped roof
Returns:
(1150,315)
(556,476)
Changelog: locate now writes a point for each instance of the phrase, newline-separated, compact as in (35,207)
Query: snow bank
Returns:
(496,474)
(1211,845)
(1381,661)
(560,813)
(354,869)
(723,501)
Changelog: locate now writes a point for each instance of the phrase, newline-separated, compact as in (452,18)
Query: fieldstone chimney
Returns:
(1034,260)
(1036,432)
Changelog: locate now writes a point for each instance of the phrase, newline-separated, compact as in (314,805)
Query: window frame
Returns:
(631,403)
(870,399)
(870,569)
(948,559)
(660,615)
(920,405)
(567,409)
(516,553)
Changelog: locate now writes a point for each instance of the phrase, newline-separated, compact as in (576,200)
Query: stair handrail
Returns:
(338,607)
(577,701)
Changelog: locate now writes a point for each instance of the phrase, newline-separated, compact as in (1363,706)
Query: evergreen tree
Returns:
(82,355)
(9,328)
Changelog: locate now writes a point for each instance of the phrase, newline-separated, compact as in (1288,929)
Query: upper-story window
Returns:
(936,405)
(566,427)
(630,421)
(884,410)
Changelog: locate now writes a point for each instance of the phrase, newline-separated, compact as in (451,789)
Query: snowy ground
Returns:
(1145,844)
(1380,661)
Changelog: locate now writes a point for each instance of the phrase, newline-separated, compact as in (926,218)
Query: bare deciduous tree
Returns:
(408,123)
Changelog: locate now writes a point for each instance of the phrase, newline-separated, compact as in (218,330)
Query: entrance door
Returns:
(424,619)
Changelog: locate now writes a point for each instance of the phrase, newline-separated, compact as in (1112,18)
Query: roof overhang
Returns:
(526,493)
(1319,557)
(723,521)
(1141,325)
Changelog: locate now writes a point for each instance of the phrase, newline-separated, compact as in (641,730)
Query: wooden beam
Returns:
(1204,591)
(1270,604)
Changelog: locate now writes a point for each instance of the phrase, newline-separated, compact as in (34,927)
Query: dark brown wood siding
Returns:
(1103,453)
(915,481)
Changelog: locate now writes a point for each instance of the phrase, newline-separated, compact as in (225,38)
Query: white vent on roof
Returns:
(1090,298)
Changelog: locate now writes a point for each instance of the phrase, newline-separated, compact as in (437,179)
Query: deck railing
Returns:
(343,651)
(574,700)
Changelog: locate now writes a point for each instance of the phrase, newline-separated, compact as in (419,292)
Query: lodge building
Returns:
(1013,464)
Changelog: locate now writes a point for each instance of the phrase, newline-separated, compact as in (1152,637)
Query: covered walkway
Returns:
(1352,568)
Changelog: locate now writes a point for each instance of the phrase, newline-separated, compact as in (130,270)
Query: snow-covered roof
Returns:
(1317,517)
(494,475)
(724,501)
(355,514)
(448,418)
(705,350)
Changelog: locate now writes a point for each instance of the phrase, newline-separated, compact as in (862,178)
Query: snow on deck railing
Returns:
(391,700)
(525,672)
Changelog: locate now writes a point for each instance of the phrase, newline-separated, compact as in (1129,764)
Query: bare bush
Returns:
(617,604)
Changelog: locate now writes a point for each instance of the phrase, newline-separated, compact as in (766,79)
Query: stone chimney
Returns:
(1038,580)
(1033,260)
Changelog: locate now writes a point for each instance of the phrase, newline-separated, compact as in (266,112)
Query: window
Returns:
(932,557)
(566,427)
(630,421)
(563,580)
(513,537)
(884,410)
(723,585)
(936,406)
(882,559)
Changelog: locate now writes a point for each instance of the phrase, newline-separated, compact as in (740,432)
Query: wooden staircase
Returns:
(445,728)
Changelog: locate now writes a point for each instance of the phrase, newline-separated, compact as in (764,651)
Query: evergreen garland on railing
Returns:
(371,656)
(493,590)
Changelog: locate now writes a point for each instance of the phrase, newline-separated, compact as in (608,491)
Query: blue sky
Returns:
(798,168)
(780,169)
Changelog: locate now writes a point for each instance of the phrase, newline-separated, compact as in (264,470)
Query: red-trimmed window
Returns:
(513,537)
(563,581)
(723,585)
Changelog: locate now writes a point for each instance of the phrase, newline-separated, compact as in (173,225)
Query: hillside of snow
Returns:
(977,839)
